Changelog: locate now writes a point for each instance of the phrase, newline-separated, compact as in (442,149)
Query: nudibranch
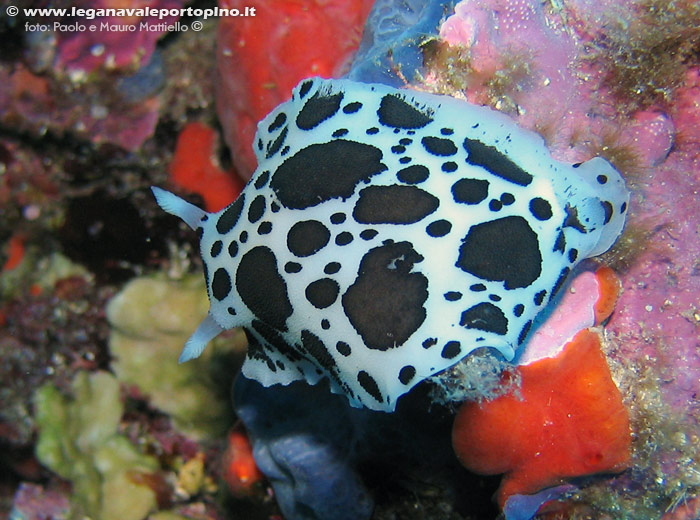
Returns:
(388,233)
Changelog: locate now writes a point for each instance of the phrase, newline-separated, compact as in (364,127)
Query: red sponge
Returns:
(568,420)
(195,167)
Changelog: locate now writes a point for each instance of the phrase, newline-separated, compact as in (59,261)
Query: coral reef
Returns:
(42,295)
(512,54)
(88,121)
(78,144)
(96,110)
(122,458)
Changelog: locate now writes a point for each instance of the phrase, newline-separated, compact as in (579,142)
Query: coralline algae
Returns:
(62,87)
(85,45)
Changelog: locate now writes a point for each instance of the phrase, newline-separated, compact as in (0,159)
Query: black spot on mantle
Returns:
(229,218)
(325,171)
(313,345)
(505,249)
(307,237)
(276,341)
(439,146)
(395,204)
(414,174)
(262,288)
(470,191)
(322,293)
(385,303)
(370,385)
(274,146)
(485,316)
(256,209)
(488,157)
(540,208)
(221,284)
(317,109)
(395,112)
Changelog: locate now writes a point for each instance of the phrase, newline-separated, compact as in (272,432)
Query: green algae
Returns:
(151,319)
(79,440)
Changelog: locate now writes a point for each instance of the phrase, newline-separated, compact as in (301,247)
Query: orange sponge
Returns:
(567,420)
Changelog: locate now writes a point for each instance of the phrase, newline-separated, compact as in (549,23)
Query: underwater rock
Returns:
(515,57)
(513,53)
(33,502)
(150,319)
(79,440)
(686,115)
(92,111)
(29,185)
(106,234)
(651,134)
(651,338)
(261,58)
(655,331)
(105,42)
